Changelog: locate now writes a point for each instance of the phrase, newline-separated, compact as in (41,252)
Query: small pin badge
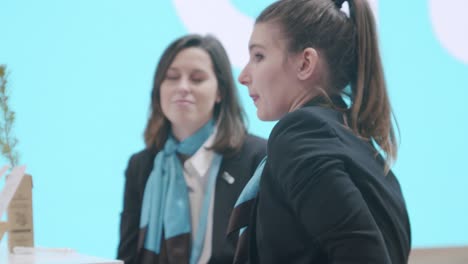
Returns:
(228,178)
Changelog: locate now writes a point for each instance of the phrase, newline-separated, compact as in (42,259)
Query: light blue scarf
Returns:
(166,206)
(250,190)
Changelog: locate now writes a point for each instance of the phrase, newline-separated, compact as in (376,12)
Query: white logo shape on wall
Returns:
(224,21)
(450,24)
(372,3)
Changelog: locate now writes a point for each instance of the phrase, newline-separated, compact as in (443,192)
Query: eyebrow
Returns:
(195,70)
(199,71)
(254,45)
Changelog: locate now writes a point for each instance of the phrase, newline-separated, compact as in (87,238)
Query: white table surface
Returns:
(50,257)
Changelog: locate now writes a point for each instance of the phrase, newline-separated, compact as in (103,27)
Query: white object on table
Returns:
(3,170)
(41,250)
(50,256)
(11,184)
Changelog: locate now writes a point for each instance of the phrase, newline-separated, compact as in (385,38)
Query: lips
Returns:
(254,97)
(183,101)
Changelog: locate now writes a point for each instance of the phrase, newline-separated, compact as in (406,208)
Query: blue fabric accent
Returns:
(165,199)
(250,190)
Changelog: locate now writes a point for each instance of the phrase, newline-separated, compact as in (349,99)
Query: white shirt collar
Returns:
(201,160)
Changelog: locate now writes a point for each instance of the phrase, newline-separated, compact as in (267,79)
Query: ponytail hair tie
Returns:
(339,3)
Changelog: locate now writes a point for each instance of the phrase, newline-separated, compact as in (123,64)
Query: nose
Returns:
(244,77)
(183,85)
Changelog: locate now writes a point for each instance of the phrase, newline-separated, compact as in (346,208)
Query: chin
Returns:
(181,119)
(269,116)
(264,117)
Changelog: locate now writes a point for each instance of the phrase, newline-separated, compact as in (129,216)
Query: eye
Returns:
(172,74)
(258,57)
(197,80)
(198,77)
(171,77)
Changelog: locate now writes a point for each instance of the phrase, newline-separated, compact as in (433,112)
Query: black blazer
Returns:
(324,197)
(241,166)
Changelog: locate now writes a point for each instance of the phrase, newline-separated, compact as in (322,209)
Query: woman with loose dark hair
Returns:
(326,192)
(180,190)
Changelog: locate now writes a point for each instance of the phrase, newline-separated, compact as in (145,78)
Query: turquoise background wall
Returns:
(80,80)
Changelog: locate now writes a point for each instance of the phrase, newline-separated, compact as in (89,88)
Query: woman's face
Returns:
(189,92)
(270,74)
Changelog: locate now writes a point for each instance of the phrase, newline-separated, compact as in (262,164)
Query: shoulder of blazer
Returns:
(143,156)
(315,115)
(254,144)
(253,150)
(141,165)
(246,160)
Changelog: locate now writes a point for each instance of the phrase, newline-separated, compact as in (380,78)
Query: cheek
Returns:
(164,97)
(208,92)
(208,102)
(276,96)
(268,76)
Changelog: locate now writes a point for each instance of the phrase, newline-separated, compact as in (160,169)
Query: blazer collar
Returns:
(333,107)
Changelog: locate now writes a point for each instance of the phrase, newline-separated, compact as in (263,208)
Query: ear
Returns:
(306,63)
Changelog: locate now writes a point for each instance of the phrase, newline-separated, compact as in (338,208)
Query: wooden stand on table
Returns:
(16,200)
(20,216)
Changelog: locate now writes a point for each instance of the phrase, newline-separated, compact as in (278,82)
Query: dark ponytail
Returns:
(370,111)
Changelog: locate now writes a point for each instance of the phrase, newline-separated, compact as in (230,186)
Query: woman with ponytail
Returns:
(326,192)
(180,190)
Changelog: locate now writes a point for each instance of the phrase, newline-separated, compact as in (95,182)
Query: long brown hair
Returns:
(228,113)
(349,47)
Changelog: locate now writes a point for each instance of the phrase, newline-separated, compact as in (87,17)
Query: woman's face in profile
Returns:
(189,91)
(269,75)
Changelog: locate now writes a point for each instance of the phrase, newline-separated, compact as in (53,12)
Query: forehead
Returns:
(268,35)
(192,57)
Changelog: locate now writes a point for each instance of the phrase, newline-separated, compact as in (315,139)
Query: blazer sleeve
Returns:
(130,216)
(305,159)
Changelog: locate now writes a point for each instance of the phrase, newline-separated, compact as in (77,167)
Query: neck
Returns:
(301,100)
(182,132)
